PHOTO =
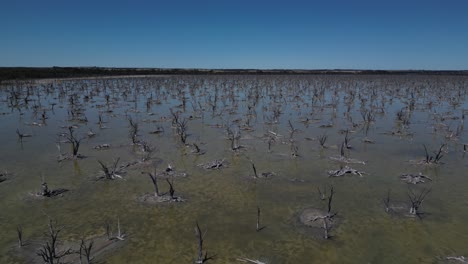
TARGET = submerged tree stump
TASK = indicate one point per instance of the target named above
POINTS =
(317, 221)
(214, 165)
(343, 171)
(414, 178)
(150, 198)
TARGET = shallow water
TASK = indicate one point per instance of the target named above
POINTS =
(224, 202)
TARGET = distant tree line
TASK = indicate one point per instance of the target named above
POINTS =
(23, 73)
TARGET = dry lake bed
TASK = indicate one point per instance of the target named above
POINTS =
(235, 169)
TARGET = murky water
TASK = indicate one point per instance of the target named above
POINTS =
(258, 109)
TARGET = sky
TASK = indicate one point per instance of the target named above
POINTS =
(352, 34)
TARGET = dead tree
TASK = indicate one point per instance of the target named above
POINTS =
(108, 231)
(49, 252)
(46, 192)
(292, 130)
(386, 202)
(119, 235)
(21, 135)
(100, 121)
(19, 232)
(294, 149)
(197, 149)
(434, 159)
(155, 183)
(342, 150)
(254, 170)
(85, 252)
(461, 259)
(133, 131)
(182, 130)
(175, 117)
(201, 258)
(171, 188)
(234, 137)
(258, 227)
(330, 197)
(111, 173)
(322, 139)
(147, 149)
(44, 117)
(416, 201)
(328, 217)
(347, 140)
(74, 141)
(271, 140)
(45, 189)
(254, 261)
(321, 194)
(367, 116)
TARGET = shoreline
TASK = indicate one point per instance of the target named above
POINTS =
(34, 73)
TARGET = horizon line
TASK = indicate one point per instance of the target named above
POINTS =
(231, 69)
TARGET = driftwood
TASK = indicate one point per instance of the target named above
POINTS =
(266, 174)
(50, 193)
(213, 165)
(196, 150)
(250, 261)
(90, 133)
(368, 141)
(343, 171)
(399, 133)
(150, 198)
(326, 125)
(102, 146)
(170, 171)
(414, 178)
(461, 259)
(34, 124)
(276, 135)
(343, 159)
(159, 130)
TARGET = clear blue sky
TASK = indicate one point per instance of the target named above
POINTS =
(398, 34)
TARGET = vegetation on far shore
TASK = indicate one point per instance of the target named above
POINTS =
(24, 73)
